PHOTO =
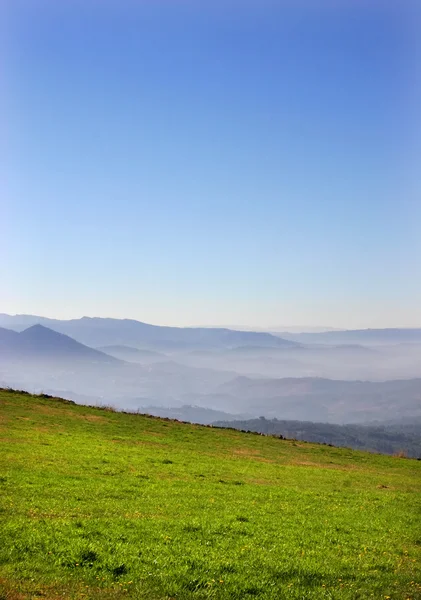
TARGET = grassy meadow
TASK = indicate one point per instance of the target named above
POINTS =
(98, 504)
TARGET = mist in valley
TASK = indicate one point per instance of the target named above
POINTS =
(207, 375)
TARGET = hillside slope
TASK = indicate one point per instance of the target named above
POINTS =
(400, 438)
(97, 504)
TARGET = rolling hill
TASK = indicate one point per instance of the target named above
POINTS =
(103, 505)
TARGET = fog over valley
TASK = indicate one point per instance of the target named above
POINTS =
(215, 374)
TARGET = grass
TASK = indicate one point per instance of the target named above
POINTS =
(98, 504)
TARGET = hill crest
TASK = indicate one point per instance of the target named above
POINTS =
(39, 341)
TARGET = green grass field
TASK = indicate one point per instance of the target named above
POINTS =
(98, 504)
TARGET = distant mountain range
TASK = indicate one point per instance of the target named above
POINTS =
(98, 332)
(227, 371)
(39, 358)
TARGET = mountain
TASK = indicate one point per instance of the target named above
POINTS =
(224, 370)
(7, 336)
(41, 342)
(39, 358)
(98, 332)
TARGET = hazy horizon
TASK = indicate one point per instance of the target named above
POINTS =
(292, 328)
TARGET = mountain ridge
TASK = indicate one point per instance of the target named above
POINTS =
(98, 331)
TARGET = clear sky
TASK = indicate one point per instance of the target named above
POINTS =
(212, 162)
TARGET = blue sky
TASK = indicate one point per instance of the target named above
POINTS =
(181, 162)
